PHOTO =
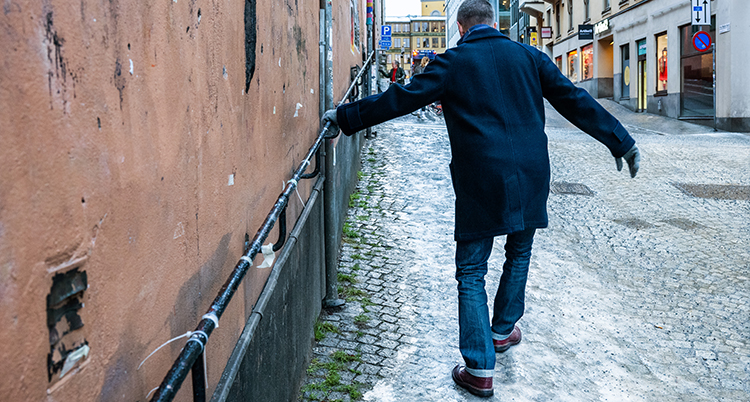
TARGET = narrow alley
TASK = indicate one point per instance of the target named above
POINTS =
(635, 290)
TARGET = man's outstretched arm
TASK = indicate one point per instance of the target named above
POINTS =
(397, 101)
(578, 107)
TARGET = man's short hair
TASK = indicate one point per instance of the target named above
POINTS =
(396, 61)
(473, 12)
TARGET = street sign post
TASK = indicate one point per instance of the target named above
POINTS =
(385, 31)
(700, 12)
(385, 37)
(701, 41)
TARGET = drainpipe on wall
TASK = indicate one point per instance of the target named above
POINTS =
(329, 197)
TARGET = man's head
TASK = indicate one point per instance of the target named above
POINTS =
(395, 63)
(474, 12)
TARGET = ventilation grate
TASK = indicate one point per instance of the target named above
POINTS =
(561, 187)
(715, 191)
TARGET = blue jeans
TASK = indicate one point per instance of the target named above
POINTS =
(475, 332)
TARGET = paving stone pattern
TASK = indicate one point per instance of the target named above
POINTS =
(637, 292)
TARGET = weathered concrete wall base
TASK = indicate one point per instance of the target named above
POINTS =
(597, 87)
(737, 124)
(281, 346)
(670, 105)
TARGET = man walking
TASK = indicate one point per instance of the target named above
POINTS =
(492, 92)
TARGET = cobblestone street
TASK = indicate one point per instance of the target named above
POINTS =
(639, 290)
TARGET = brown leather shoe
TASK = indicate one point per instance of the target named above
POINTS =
(505, 344)
(479, 386)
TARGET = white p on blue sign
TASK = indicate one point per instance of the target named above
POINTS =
(385, 31)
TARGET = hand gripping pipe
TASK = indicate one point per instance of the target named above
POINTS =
(193, 350)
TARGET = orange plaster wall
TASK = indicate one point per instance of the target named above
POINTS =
(128, 174)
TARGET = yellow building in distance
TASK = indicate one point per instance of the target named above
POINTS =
(414, 37)
(433, 8)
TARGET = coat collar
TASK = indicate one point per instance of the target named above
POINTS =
(480, 31)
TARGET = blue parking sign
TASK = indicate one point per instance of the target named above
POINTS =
(385, 31)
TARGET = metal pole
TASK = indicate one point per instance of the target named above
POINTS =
(329, 195)
(713, 58)
(199, 379)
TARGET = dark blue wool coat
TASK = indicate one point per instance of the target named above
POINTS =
(492, 91)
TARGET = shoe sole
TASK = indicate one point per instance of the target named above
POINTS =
(475, 391)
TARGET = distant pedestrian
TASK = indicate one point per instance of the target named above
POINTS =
(397, 74)
(492, 90)
(419, 69)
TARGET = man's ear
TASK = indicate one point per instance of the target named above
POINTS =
(494, 25)
(461, 30)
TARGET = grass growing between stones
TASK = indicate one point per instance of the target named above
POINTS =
(323, 328)
(331, 376)
(349, 232)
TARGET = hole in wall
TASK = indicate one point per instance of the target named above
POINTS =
(65, 301)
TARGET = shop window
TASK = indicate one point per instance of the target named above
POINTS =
(587, 62)
(573, 65)
(558, 62)
(661, 64)
(696, 87)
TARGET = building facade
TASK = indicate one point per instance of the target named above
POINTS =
(415, 37)
(502, 17)
(642, 55)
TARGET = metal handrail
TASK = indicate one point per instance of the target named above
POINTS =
(195, 345)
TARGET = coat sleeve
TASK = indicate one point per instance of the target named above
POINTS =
(578, 107)
(397, 101)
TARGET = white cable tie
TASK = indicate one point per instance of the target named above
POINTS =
(246, 259)
(163, 345)
(296, 189)
(194, 338)
(212, 316)
(151, 392)
(300, 197)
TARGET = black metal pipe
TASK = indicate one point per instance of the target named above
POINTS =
(282, 231)
(194, 348)
(235, 360)
(199, 379)
(315, 172)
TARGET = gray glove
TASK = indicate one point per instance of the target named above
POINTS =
(633, 158)
(330, 117)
